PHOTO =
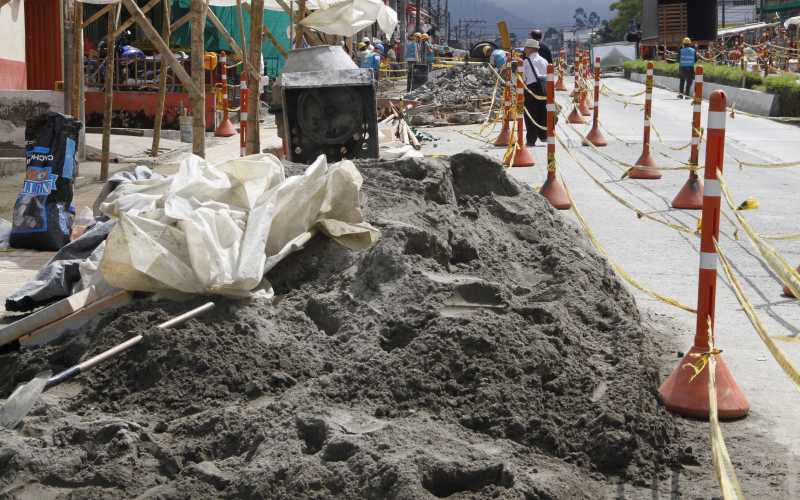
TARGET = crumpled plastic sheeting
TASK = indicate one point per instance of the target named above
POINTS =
(351, 16)
(218, 228)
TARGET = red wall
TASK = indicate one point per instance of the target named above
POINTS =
(43, 43)
(12, 75)
(138, 109)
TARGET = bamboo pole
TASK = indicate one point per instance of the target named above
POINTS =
(224, 32)
(254, 83)
(197, 100)
(180, 22)
(166, 33)
(298, 35)
(108, 98)
(268, 34)
(77, 74)
(129, 22)
(97, 15)
(243, 74)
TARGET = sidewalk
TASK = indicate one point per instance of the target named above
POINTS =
(20, 266)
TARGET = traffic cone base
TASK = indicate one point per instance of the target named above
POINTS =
(225, 129)
(504, 138)
(690, 197)
(523, 157)
(555, 193)
(690, 398)
(583, 107)
(595, 137)
(645, 168)
(576, 117)
(560, 86)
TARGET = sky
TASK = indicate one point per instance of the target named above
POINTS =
(542, 11)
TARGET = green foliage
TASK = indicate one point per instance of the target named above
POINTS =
(627, 11)
(787, 88)
(722, 74)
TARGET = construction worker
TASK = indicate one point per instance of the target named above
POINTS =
(428, 54)
(687, 57)
(544, 50)
(411, 58)
(364, 56)
(497, 57)
(534, 67)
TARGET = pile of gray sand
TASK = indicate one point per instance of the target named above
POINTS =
(479, 350)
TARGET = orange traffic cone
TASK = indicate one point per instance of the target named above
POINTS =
(504, 138)
(690, 197)
(594, 136)
(521, 157)
(583, 106)
(225, 128)
(575, 116)
(648, 168)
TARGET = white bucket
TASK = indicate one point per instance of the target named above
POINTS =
(186, 128)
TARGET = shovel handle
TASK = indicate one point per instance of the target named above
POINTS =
(94, 360)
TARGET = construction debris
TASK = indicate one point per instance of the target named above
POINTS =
(479, 348)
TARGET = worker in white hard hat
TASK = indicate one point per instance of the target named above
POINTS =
(534, 68)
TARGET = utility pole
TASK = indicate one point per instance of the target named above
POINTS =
(417, 25)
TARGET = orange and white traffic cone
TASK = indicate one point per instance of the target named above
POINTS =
(690, 197)
(504, 138)
(521, 157)
(243, 117)
(225, 128)
(552, 189)
(645, 166)
(683, 392)
(594, 136)
(562, 58)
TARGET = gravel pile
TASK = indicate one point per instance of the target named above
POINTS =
(480, 349)
(455, 85)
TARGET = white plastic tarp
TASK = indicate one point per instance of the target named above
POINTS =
(218, 228)
(348, 17)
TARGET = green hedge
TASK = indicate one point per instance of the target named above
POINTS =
(724, 75)
(787, 88)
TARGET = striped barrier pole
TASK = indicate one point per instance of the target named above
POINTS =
(645, 165)
(521, 157)
(683, 392)
(575, 116)
(583, 107)
(690, 197)
(225, 128)
(594, 136)
(504, 138)
(562, 58)
(552, 189)
(589, 76)
(243, 118)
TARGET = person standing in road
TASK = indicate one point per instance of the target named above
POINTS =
(687, 57)
(544, 50)
(535, 74)
(410, 57)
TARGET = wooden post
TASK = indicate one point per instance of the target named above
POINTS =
(197, 99)
(166, 33)
(253, 83)
(108, 98)
(298, 35)
(77, 75)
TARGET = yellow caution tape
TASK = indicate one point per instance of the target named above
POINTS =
(774, 260)
(780, 356)
(723, 467)
(616, 267)
(768, 165)
(749, 204)
(637, 94)
(780, 236)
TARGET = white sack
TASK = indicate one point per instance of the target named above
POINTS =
(219, 228)
(351, 16)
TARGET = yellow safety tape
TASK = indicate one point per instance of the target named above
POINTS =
(534, 121)
(792, 237)
(723, 467)
(639, 213)
(780, 356)
(774, 260)
(617, 268)
(637, 94)
(743, 164)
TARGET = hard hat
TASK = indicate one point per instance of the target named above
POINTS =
(687, 40)
(425, 36)
(487, 50)
(749, 204)
(417, 35)
(361, 45)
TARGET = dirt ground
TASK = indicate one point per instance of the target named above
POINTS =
(481, 349)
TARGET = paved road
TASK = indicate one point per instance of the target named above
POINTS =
(666, 260)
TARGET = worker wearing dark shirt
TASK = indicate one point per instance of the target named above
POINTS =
(544, 50)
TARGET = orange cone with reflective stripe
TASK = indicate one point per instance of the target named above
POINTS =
(552, 189)
(690, 197)
(225, 128)
(681, 393)
(594, 136)
(504, 138)
(562, 61)
(521, 157)
(645, 166)
(243, 117)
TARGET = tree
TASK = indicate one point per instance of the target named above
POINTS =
(581, 19)
(551, 32)
(593, 20)
(629, 12)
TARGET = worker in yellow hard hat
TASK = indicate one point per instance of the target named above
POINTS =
(687, 57)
